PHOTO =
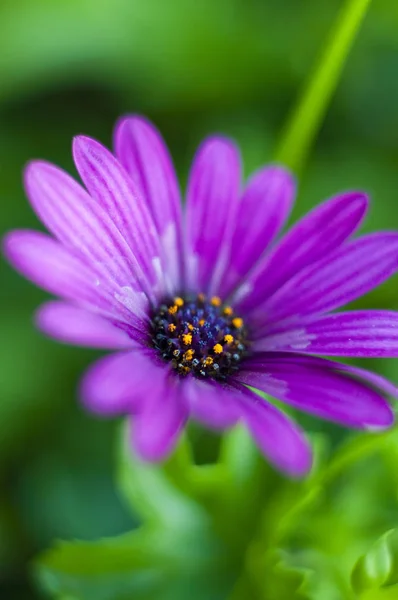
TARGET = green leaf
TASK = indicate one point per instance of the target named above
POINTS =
(106, 570)
(281, 578)
(357, 448)
(151, 493)
(236, 529)
(308, 115)
(166, 562)
(146, 564)
(379, 566)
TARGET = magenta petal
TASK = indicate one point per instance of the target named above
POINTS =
(156, 429)
(343, 276)
(212, 201)
(81, 225)
(378, 382)
(364, 333)
(75, 325)
(123, 383)
(318, 387)
(143, 153)
(211, 403)
(374, 380)
(51, 266)
(113, 188)
(281, 440)
(320, 232)
(263, 210)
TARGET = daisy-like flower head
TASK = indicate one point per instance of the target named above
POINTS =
(202, 303)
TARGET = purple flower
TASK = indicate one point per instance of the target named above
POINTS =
(202, 303)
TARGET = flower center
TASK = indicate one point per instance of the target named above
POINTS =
(199, 336)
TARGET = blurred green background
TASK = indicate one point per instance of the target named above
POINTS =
(234, 66)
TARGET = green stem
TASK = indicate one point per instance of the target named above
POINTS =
(307, 117)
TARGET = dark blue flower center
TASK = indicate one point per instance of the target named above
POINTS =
(199, 336)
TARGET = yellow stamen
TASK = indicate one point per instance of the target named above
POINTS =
(187, 338)
(237, 322)
(190, 327)
(208, 361)
(173, 309)
(218, 348)
(228, 338)
(189, 354)
(172, 327)
(185, 369)
(228, 311)
(178, 302)
(202, 322)
(176, 353)
(216, 301)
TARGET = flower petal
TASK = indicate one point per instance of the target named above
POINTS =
(374, 380)
(263, 210)
(281, 440)
(75, 325)
(348, 273)
(318, 387)
(143, 153)
(364, 333)
(122, 383)
(212, 201)
(81, 224)
(156, 429)
(53, 267)
(211, 403)
(320, 232)
(378, 382)
(113, 188)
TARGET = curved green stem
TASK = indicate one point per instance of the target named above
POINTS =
(307, 117)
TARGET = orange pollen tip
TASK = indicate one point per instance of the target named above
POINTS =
(228, 311)
(237, 322)
(178, 302)
(201, 297)
(171, 327)
(190, 327)
(228, 338)
(218, 348)
(208, 361)
(202, 322)
(189, 354)
(187, 338)
(216, 301)
(173, 309)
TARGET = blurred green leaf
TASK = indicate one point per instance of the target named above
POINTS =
(320, 526)
(174, 552)
(151, 493)
(114, 569)
(274, 578)
(379, 566)
(255, 535)
(147, 564)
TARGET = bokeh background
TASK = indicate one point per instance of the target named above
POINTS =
(233, 66)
